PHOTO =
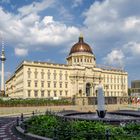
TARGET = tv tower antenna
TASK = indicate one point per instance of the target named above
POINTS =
(2, 58)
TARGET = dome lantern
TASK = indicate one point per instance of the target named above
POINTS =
(81, 46)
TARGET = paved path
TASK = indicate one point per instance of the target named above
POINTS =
(6, 133)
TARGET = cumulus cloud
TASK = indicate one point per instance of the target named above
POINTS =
(114, 30)
(21, 52)
(112, 21)
(115, 57)
(27, 30)
(35, 7)
(132, 48)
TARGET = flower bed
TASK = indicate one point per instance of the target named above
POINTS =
(52, 126)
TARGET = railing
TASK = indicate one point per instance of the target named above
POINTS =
(59, 134)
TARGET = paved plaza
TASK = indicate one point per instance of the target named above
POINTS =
(6, 129)
(8, 116)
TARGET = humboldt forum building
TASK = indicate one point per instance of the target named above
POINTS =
(79, 77)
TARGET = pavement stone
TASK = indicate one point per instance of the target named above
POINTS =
(6, 133)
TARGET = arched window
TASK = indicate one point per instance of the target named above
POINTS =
(77, 59)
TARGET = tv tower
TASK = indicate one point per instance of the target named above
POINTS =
(2, 58)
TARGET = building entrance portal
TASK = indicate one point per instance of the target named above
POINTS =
(88, 89)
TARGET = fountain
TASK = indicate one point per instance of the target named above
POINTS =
(100, 102)
(115, 117)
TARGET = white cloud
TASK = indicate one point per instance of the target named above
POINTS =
(31, 31)
(132, 23)
(132, 48)
(112, 20)
(21, 52)
(65, 14)
(76, 3)
(115, 58)
(111, 25)
(35, 7)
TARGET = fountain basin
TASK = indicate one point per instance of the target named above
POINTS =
(115, 117)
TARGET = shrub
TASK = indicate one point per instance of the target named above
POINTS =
(80, 130)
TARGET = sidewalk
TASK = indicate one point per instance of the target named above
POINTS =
(6, 111)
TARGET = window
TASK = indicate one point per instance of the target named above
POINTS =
(35, 83)
(118, 79)
(42, 74)
(29, 93)
(54, 74)
(60, 93)
(114, 86)
(42, 93)
(66, 76)
(60, 75)
(55, 94)
(29, 83)
(36, 93)
(114, 79)
(61, 85)
(118, 93)
(29, 73)
(49, 84)
(66, 85)
(42, 84)
(36, 73)
(66, 93)
(49, 74)
(107, 79)
(48, 93)
(54, 84)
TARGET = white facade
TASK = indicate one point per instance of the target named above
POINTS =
(78, 77)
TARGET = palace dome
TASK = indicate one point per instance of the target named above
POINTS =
(81, 46)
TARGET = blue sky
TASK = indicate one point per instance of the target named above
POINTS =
(45, 30)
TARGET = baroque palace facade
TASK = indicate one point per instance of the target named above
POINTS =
(78, 77)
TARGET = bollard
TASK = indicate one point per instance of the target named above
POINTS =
(107, 134)
(21, 118)
(17, 121)
(25, 128)
(47, 112)
(88, 137)
(55, 135)
(33, 113)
